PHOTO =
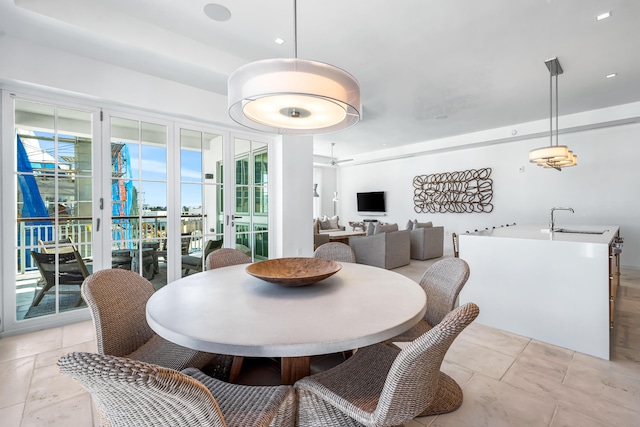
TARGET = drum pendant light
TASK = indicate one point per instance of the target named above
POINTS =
(293, 96)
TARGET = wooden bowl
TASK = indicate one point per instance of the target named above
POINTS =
(293, 271)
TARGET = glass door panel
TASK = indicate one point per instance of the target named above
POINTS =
(139, 198)
(201, 193)
(251, 217)
(54, 187)
(261, 206)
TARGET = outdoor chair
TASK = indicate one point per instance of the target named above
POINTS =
(117, 299)
(185, 242)
(65, 246)
(335, 251)
(192, 262)
(225, 257)
(383, 386)
(130, 393)
(71, 271)
(442, 283)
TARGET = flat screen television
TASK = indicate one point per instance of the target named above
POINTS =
(372, 202)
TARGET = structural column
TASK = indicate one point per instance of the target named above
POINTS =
(293, 196)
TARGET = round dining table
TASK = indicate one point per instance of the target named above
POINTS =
(228, 311)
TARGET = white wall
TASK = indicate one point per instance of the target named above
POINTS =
(326, 178)
(602, 189)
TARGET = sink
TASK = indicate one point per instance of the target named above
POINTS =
(565, 230)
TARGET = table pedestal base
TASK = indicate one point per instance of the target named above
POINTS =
(291, 369)
(236, 367)
(294, 368)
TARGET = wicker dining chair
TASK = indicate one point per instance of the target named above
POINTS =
(335, 251)
(130, 393)
(383, 386)
(117, 299)
(225, 257)
(442, 282)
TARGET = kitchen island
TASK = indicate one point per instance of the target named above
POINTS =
(554, 287)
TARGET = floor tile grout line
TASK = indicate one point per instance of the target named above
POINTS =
(564, 377)
(493, 348)
(515, 359)
(553, 416)
(26, 398)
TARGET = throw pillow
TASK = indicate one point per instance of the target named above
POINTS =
(409, 225)
(324, 224)
(333, 222)
(370, 229)
(417, 224)
(384, 228)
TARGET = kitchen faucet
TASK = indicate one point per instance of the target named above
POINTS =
(551, 222)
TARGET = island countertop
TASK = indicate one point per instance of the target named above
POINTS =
(535, 232)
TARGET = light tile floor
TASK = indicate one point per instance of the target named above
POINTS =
(507, 379)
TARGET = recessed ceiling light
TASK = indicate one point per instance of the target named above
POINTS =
(609, 76)
(603, 16)
(279, 40)
(217, 12)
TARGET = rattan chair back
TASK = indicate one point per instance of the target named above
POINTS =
(443, 282)
(412, 381)
(335, 251)
(132, 393)
(225, 257)
(380, 386)
(117, 299)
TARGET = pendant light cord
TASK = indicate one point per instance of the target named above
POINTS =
(295, 29)
(550, 109)
(557, 113)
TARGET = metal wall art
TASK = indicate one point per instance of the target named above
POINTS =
(467, 191)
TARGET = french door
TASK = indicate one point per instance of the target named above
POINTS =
(224, 195)
(50, 176)
(202, 195)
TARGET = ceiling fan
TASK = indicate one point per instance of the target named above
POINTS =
(335, 162)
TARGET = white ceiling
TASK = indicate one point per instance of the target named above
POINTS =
(479, 63)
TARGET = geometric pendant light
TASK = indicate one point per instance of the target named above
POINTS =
(293, 96)
(554, 156)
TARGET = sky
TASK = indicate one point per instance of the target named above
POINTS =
(153, 167)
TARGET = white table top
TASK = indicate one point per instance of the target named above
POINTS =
(228, 311)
